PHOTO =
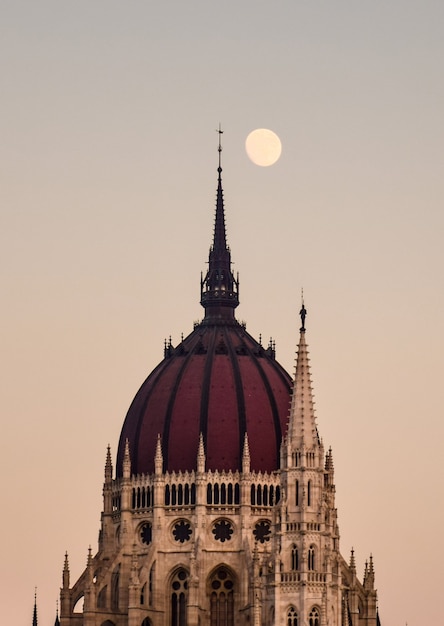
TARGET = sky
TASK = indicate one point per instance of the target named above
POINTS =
(108, 161)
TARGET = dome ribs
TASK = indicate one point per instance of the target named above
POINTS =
(137, 407)
(242, 418)
(203, 417)
(169, 411)
(259, 363)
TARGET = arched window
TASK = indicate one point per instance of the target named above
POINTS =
(216, 494)
(223, 493)
(236, 493)
(146, 622)
(143, 595)
(151, 584)
(294, 558)
(311, 558)
(313, 618)
(179, 596)
(221, 598)
(297, 493)
(309, 493)
(101, 598)
(167, 495)
(209, 494)
(253, 495)
(292, 617)
(115, 579)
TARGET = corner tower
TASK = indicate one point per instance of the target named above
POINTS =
(221, 511)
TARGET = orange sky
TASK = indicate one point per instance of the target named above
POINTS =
(108, 179)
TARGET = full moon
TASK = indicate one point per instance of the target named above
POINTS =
(263, 147)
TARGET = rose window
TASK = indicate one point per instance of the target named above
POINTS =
(182, 531)
(146, 533)
(262, 532)
(222, 530)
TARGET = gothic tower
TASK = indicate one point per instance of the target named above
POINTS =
(221, 511)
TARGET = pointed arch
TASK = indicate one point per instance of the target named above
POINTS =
(294, 558)
(78, 604)
(101, 597)
(115, 584)
(221, 589)
(179, 597)
(311, 558)
(314, 618)
(147, 622)
(292, 617)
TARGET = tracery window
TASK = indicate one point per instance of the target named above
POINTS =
(311, 558)
(294, 558)
(222, 598)
(292, 617)
(179, 596)
(313, 618)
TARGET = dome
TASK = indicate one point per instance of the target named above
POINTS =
(219, 382)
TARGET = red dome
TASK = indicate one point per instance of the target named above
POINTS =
(219, 382)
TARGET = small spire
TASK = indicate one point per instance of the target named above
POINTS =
(158, 457)
(108, 465)
(89, 558)
(303, 312)
(57, 620)
(352, 560)
(369, 576)
(302, 428)
(66, 572)
(201, 455)
(126, 461)
(246, 456)
(34, 615)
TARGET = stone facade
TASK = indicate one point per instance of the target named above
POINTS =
(209, 548)
(247, 537)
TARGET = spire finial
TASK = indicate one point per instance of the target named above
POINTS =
(34, 615)
(303, 312)
(219, 289)
(219, 149)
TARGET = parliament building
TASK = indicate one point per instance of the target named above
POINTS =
(219, 508)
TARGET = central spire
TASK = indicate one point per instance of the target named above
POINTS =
(219, 290)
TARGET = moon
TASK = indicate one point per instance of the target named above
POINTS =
(263, 147)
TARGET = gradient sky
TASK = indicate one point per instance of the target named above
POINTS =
(108, 161)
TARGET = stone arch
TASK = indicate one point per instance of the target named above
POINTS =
(178, 596)
(292, 617)
(147, 622)
(221, 587)
(78, 603)
(314, 617)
